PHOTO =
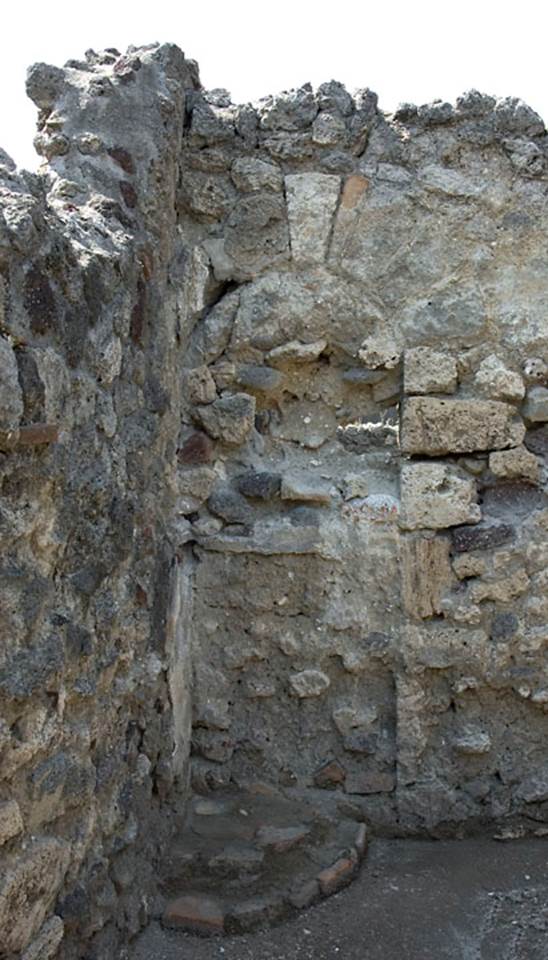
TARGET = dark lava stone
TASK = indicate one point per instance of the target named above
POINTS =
(197, 449)
(481, 537)
(262, 485)
(513, 499)
(537, 441)
(504, 625)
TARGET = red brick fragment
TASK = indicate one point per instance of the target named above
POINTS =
(195, 913)
(197, 449)
(330, 774)
(33, 435)
(338, 875)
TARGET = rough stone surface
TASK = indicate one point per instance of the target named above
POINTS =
(47, 942)
(309, 683)
(11, 821)
(433, 496)
(494, 380)
(204, 308)
(297, 352)
(426, 575)
(429, 371)
(515, 464)
(260, 484)
(228, 419)
(437, 427)
(11, 396)
(536, 405)
(301, 487)
(311, 201)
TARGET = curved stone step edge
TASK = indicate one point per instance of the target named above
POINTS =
(206, 916)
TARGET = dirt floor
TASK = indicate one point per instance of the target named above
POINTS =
(474, 899)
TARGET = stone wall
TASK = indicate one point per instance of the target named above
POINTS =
(273, 465)
(96, 291)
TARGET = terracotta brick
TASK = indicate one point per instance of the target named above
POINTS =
(338, 875)
(195, 913)
(330, 774)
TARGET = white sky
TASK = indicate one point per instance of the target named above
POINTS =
(413, 50)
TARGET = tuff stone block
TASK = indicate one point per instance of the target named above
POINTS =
(311, 203)
(494, 380)
(438, 427)
(434, 497)
(515, 464)
(429, 371)
(426, 575)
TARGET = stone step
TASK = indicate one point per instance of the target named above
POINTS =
(249, 858)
